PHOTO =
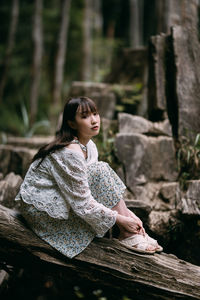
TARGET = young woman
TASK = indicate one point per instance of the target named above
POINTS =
(68, 197)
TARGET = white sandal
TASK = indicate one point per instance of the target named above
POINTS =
(154, 243)
(137, 243)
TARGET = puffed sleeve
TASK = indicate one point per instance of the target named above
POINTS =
(69, 171)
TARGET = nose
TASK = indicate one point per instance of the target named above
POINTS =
(93, 119)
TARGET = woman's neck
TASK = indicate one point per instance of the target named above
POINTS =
(83, 140)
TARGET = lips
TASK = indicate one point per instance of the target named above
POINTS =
(95, 128)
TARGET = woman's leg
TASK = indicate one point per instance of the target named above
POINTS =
(108, 189)
(122, 209)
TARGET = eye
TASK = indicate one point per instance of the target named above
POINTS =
(84, 116)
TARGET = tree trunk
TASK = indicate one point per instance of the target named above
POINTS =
(87, 41)
(98, 19)
(104, 262)
(11, 41)
(37, 59)
(98, 42)
(136, 23)
(61, 52)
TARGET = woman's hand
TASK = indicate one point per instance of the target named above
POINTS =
(129, 224)
(132, 215)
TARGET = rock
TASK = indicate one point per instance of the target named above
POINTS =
(186, 49)
(133, 124)
(189, 200)
(146, 158)
(161, 223)
(140, 208)
(157, 102)
(15, 159)
(174, 75)
(162, 128)
(101, 93)
(184, 13)
(149, 193)
(33, 142)
(136, 124)
(5, 158)
(9, 188)
(168, 193)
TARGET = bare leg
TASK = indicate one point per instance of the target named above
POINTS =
(122, 209)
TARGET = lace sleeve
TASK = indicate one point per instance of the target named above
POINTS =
(69, 171)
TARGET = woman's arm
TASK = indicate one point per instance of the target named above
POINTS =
(69, 172)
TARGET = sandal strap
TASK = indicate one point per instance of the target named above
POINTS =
(151, 241)
(137, 241)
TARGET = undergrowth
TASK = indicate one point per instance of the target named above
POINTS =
(188, 159)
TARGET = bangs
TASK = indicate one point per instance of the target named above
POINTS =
(87, 106)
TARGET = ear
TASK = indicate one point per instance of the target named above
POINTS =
(72, 124)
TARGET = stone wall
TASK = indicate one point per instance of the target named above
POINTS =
(174, 77)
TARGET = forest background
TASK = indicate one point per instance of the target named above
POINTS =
(46, 45)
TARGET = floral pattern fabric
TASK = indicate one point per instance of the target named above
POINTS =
(86, 190)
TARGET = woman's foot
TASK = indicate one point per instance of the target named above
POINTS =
(138, 243)
(154, 243)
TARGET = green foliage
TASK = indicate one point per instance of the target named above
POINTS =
(75, 38)
(103, 53)
(188, 157)
(105, 144)
(128, 97)
(19, 73)
(19, 124)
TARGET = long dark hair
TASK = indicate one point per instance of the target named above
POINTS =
(66, 134)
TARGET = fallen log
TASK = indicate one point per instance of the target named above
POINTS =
(104, 262)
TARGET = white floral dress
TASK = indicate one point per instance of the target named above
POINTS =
(67, 199)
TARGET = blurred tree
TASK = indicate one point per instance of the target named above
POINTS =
(98, 41)
(37, 59)
(11, 41)
(61, 52)
(136, 23)
(87, 41)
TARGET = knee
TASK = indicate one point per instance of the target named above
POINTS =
(99, 171)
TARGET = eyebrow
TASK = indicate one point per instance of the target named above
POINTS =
(84, 112)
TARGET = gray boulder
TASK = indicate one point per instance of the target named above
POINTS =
(157, 102)
(146, 158)
(187, 56)
(15, 159)
(9, 188)
(161, 223)
(34, 142)
(151, 193)
(168, 193)
(101, 93)
(136, 124)
(188, 201)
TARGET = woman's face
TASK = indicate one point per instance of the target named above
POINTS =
(87, 123)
